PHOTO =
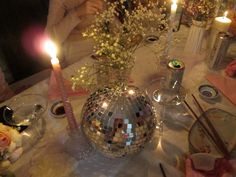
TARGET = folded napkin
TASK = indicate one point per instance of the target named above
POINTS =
(225, 84)
(54, 91)
(205, 165)
(231, 69)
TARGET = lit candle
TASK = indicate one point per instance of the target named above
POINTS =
(171, 25)
(51, 49)
(222, 23)
(173, 8)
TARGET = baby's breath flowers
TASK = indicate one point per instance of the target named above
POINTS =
(119, 30)
(202, 10)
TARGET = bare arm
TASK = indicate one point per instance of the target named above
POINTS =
(60, 24)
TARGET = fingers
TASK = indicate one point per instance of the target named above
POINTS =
(98, 4)
(91, 10)
(90, 7)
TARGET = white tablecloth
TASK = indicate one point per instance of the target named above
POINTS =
(48, 159)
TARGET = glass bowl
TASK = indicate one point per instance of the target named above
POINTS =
(27, 112)
(224, 122)
(22, 123)
(27, 108)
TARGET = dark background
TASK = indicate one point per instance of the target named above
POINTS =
(17, 19)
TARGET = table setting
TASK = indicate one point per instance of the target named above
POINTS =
(151, 101)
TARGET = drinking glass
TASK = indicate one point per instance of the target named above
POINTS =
(27, 108)
(27, 117)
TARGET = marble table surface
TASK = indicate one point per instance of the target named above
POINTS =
(47, 158)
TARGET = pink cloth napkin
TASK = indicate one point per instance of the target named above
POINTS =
(54, 92)
(231, 69)
(225, 84)
(222, 168)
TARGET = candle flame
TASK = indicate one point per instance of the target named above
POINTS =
(225, 14)
(174, 1)
(131, 92)
(54, 61)
(50, 48)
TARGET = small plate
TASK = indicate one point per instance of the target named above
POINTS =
(151, 39)
(224, 122)
(57, 110)
(208, 92)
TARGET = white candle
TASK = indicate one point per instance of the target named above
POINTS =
(222, 23)
(173, 8)
(51, 49)
(171, 25)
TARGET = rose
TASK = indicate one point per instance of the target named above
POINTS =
(5, 141)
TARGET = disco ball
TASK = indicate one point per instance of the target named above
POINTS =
(118, 121)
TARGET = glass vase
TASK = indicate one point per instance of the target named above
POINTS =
(108, 76)
(196, 37)
(77, 145)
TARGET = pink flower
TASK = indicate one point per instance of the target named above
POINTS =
(5, 141)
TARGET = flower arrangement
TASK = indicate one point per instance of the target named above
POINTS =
(202, 10)
(117, 32)
(10, 146)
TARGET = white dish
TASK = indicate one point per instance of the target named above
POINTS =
(208, 92)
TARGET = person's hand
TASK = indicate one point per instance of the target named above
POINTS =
(90, 7)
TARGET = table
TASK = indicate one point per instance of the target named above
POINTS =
(48, 158)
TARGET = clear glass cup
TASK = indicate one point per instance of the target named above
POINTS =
(27, 108)
(27, 118)
(24, 114)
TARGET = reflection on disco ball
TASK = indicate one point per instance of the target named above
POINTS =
(118, 121)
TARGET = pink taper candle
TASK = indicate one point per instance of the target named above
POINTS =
(51, 50)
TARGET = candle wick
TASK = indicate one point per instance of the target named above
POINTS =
(225, 15)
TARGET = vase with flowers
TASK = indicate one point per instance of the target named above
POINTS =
(117, 32)
(201, 12)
